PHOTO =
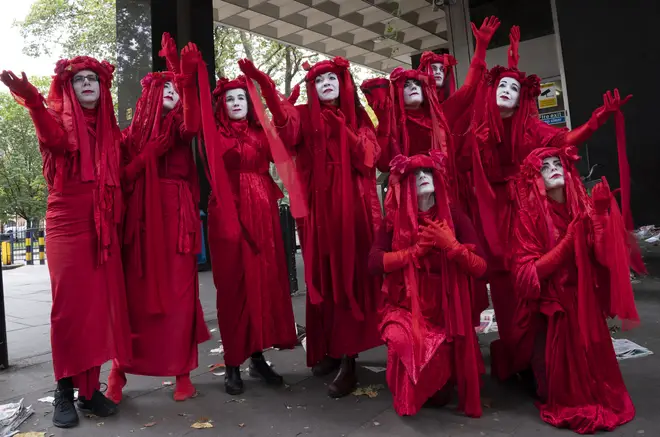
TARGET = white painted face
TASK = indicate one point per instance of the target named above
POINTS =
(508, 93)
(438, 74)
(170, 97)
(412, 94)
(87, 88)
(424, 180)
(237, 104)
(553, 173)
(327, 86)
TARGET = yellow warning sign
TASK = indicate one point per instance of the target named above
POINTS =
(548, 96)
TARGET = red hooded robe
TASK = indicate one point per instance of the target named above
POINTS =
(336, 165)
(81, 155)
(247, 253)
(162, 231)
(561, 310)
(426, 320)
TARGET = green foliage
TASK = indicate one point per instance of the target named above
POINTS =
(70, 28)
(23, 190)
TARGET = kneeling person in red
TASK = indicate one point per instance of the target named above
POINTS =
(428, 251)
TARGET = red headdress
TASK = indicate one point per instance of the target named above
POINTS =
(144, 206)
(611, 293)
(222, 86)
(402, 219)
(448, 62)
(101, 164)
(440, 138)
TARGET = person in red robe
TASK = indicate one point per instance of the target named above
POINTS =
(245, 237)
(505, 129)
(427, 249)
(80, 144)
(571, 267)
(162, 231)
(336, 149)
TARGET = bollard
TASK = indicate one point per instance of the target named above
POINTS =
(28, 248)
(4, 354)
(42, 248)
(6, 251)
(289, 239)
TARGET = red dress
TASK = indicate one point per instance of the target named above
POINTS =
(165, 335)
(89, 323)
(340, 319)
(414, 379)
(565, 290)
(253, 295)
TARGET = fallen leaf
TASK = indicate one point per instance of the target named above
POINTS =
(487, 402)
(201, 425)
(91, 416)
(149, 425)
(100, 424)
(31, 434)
(216, 366)
(371, 390)
(241, 425)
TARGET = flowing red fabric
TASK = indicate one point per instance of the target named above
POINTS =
(283, 161)
(585, 390)
(434, 317)
(162, 235)
(341, 313)
(448, 62)
(89, 323)
(253, 295)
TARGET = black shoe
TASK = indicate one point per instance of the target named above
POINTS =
(346, 379)
(326, 366)
(233, 381)
(65, 415)
(98, 405)
(259, 368)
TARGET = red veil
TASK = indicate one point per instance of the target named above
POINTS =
(585, 388)
(402, 220)
(448, 62)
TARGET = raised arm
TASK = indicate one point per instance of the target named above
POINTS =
(514, 46)
(50, 133)
(285, 116)
(377, 92)
(187, 83)
(611, 104)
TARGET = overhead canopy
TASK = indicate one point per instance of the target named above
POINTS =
(379, 34)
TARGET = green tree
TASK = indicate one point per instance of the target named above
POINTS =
(23, 190)
(70, 28)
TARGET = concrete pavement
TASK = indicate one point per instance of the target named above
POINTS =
(302, 407)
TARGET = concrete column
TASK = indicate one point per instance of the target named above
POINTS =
(461, 44)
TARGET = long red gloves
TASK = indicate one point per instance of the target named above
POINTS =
(551, 261)
(483, 35)
(187, 83)
(611, 104)
(393, 261)
(268, 90)
(153, 148)
(601, 196)
(438, 235)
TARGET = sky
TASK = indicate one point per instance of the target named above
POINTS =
(11, 54)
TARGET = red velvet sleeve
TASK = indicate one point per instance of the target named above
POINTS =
(459, 102)
(469, 254)
(290, 129)
(599, 222)
(547, 264)
(364, 149)
(382, 244)
(50, 133)
(191, 108)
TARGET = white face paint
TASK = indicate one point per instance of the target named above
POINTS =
(237, 104)
(438, 74)
(327, 86)
(170, 97)
(87, 88)
(412, 94)
(424, 180)
(553, 173)
(508, 93)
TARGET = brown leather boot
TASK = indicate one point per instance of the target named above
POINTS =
(326, 366)
(345, 381)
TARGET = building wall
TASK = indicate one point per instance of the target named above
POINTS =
(537, 56)
(608, 44)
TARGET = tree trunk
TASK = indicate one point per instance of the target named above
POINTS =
(288, 75)
(247, 45)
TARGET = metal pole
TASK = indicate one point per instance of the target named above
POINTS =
(4, 355)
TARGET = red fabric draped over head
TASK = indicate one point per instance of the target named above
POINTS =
(402, 219)
(448, 63)
(440, 138)
(222, 86)
(102, 163)
(144, 205)
(611, 293)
